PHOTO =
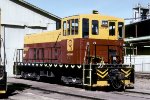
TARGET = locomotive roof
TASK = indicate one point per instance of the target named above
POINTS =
(94, 16)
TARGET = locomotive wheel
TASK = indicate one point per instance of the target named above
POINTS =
(119, 86)
(22, 74)
(25, 76)
(115, 78)
(38, 77)
(64, 80)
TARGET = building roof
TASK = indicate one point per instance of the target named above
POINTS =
(139, 41)
(138, 33)
(137, 22)
(144, 38)
(138, 29)
(37, 9)
(142, 8)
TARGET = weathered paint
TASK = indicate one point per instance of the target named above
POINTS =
(74, 53)
(59, 53)
(42, 37)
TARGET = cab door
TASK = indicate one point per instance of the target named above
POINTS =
(85, 28)
(113, 30)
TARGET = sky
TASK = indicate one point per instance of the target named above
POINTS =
(64, 8)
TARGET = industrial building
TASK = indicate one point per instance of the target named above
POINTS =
(138, 35)
(19, 18)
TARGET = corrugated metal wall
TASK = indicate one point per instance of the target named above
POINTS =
(16, 22)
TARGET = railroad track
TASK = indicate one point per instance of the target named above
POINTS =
(142, 75)
(67, 94)
(137, 94)
(77, 92)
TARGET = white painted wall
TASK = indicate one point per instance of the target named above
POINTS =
(14, 14)
(141, 62)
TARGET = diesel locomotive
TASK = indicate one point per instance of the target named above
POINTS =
(88, 50)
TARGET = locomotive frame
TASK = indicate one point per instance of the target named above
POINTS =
(88, 50)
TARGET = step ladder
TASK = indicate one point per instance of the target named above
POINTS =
(87, 67)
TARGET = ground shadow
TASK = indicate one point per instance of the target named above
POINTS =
(13, 88)
(58, 82)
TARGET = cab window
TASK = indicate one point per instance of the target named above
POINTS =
(95, 27)
(85, 28)
(111, 28)
(64, 28)
(120, 29)
(76, 26)
(104, 23)
(72, 27)
(68, 27)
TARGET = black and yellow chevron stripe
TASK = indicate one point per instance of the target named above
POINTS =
(127, 72)
(102, 74)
